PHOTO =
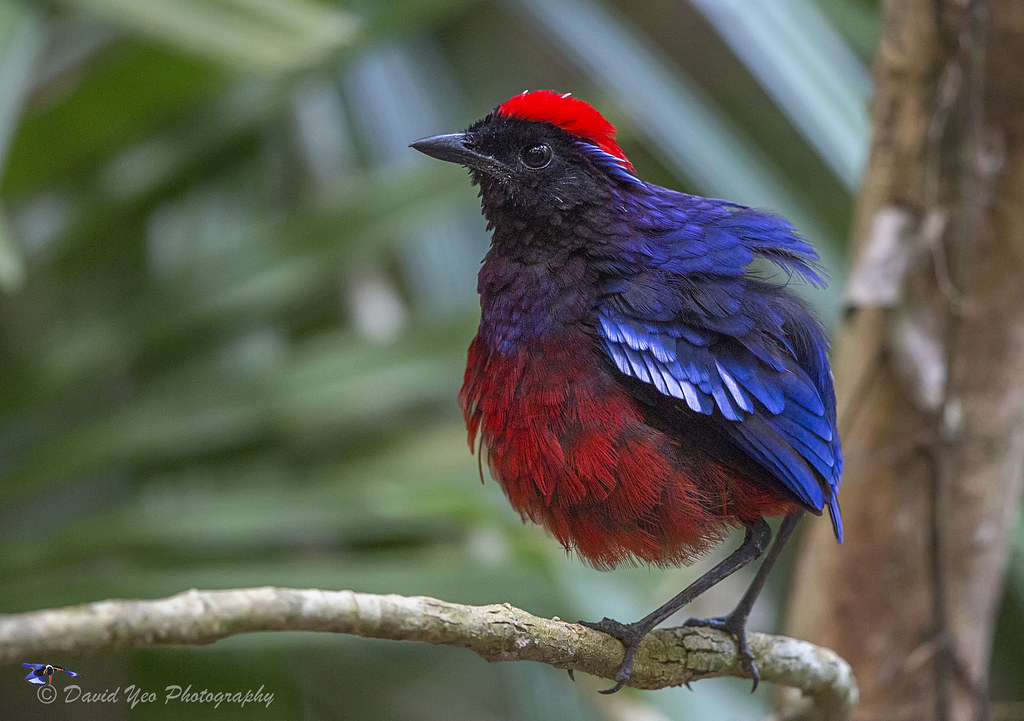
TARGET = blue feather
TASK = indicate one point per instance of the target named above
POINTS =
(688, 317)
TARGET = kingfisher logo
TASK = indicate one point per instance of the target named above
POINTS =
(42, 673)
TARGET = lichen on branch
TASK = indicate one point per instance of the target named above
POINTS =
(669, 657)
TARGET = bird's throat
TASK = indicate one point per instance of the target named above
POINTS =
(531, 295)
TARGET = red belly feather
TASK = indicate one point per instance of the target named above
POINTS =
(573, 453)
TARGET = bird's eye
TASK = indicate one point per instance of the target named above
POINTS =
(537, 156)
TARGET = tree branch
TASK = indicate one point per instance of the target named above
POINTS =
(497, 633)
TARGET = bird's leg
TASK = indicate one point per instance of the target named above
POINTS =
(755, 541)
(735, 623)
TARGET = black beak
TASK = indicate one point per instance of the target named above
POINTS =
(453, 148)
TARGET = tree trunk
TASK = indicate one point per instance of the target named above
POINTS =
(929, 367)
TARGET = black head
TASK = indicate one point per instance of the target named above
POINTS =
(537, 154)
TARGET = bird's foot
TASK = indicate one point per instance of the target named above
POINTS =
(630, 635)
(735, 626)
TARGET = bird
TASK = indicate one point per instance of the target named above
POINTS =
(42, 673)
(644, 380)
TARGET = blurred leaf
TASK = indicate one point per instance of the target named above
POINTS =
(807, 68)
(857, 20)
(199, 409)
(22, 33)
(1015, 570)
(259, 36)
(126, 92)
(12, 265)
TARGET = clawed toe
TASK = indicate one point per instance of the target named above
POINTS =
(737, 629)
(629, 635)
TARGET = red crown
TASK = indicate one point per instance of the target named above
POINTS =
(572, 115)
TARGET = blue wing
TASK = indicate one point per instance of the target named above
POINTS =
(691, 320)
(35, 676)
